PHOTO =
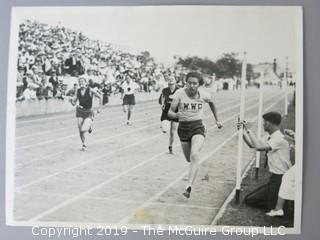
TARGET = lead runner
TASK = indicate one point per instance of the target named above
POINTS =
(187, 106)
(84, 111)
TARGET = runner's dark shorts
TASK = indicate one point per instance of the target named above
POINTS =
(129, 100)
(84, 113)
(187, 130)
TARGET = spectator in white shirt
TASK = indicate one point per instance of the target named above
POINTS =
(278, 159)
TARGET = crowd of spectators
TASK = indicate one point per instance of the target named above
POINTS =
(50, 55)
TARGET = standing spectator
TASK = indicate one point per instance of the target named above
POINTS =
(55, 83)
(23, 60)
(106, 90)
(46, 65)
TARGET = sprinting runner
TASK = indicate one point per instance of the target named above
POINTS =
(84, 112)
(128, 88)
(165, 102)
(189, 102)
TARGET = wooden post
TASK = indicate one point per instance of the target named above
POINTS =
(241, 118)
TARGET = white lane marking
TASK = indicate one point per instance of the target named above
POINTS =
(36, 160)
(75, 198)
(115, 200)
(87, 161)
(100, 120)
(156, 196)
(117, 107)
(66, 116)
(76, 135)
(102, 156)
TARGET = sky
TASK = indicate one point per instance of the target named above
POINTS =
(264, 33)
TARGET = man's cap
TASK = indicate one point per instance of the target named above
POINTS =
(272, 117)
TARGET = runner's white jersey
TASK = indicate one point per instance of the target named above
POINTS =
(191, 109)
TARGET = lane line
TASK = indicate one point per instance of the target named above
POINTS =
(37, 160)
(71, 200)
(98, 120)
(88, 161)
(76, 135)
(99, 140)
(99, 157)
(66, 116)
(116, 200)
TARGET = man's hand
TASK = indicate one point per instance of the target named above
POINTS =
(289, 132)
(239, 125)
(246, 125)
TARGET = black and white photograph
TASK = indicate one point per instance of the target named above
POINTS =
(155, 115)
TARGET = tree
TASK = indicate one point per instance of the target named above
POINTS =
(198, 64)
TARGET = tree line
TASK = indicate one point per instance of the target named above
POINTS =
(227, 66)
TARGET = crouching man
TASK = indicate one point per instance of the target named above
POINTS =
(277, 157)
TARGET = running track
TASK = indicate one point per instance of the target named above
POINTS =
(126, 176)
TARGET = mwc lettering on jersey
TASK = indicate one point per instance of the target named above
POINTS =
(191, 109)
(192, 106)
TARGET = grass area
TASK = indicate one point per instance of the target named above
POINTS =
(243, 215)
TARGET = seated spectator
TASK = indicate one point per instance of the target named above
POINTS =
(28, 94)
(73, 65)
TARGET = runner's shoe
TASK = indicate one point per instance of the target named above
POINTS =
(187, 192)
(84, 148)
(170, 149)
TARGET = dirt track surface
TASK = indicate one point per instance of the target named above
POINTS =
(126, 175)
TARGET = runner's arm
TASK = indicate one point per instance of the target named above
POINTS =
(173, 109)
(215, 114)
(96, 93)
(74, 99)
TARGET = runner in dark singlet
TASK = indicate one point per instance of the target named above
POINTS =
(165, 102)
(84, 112)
